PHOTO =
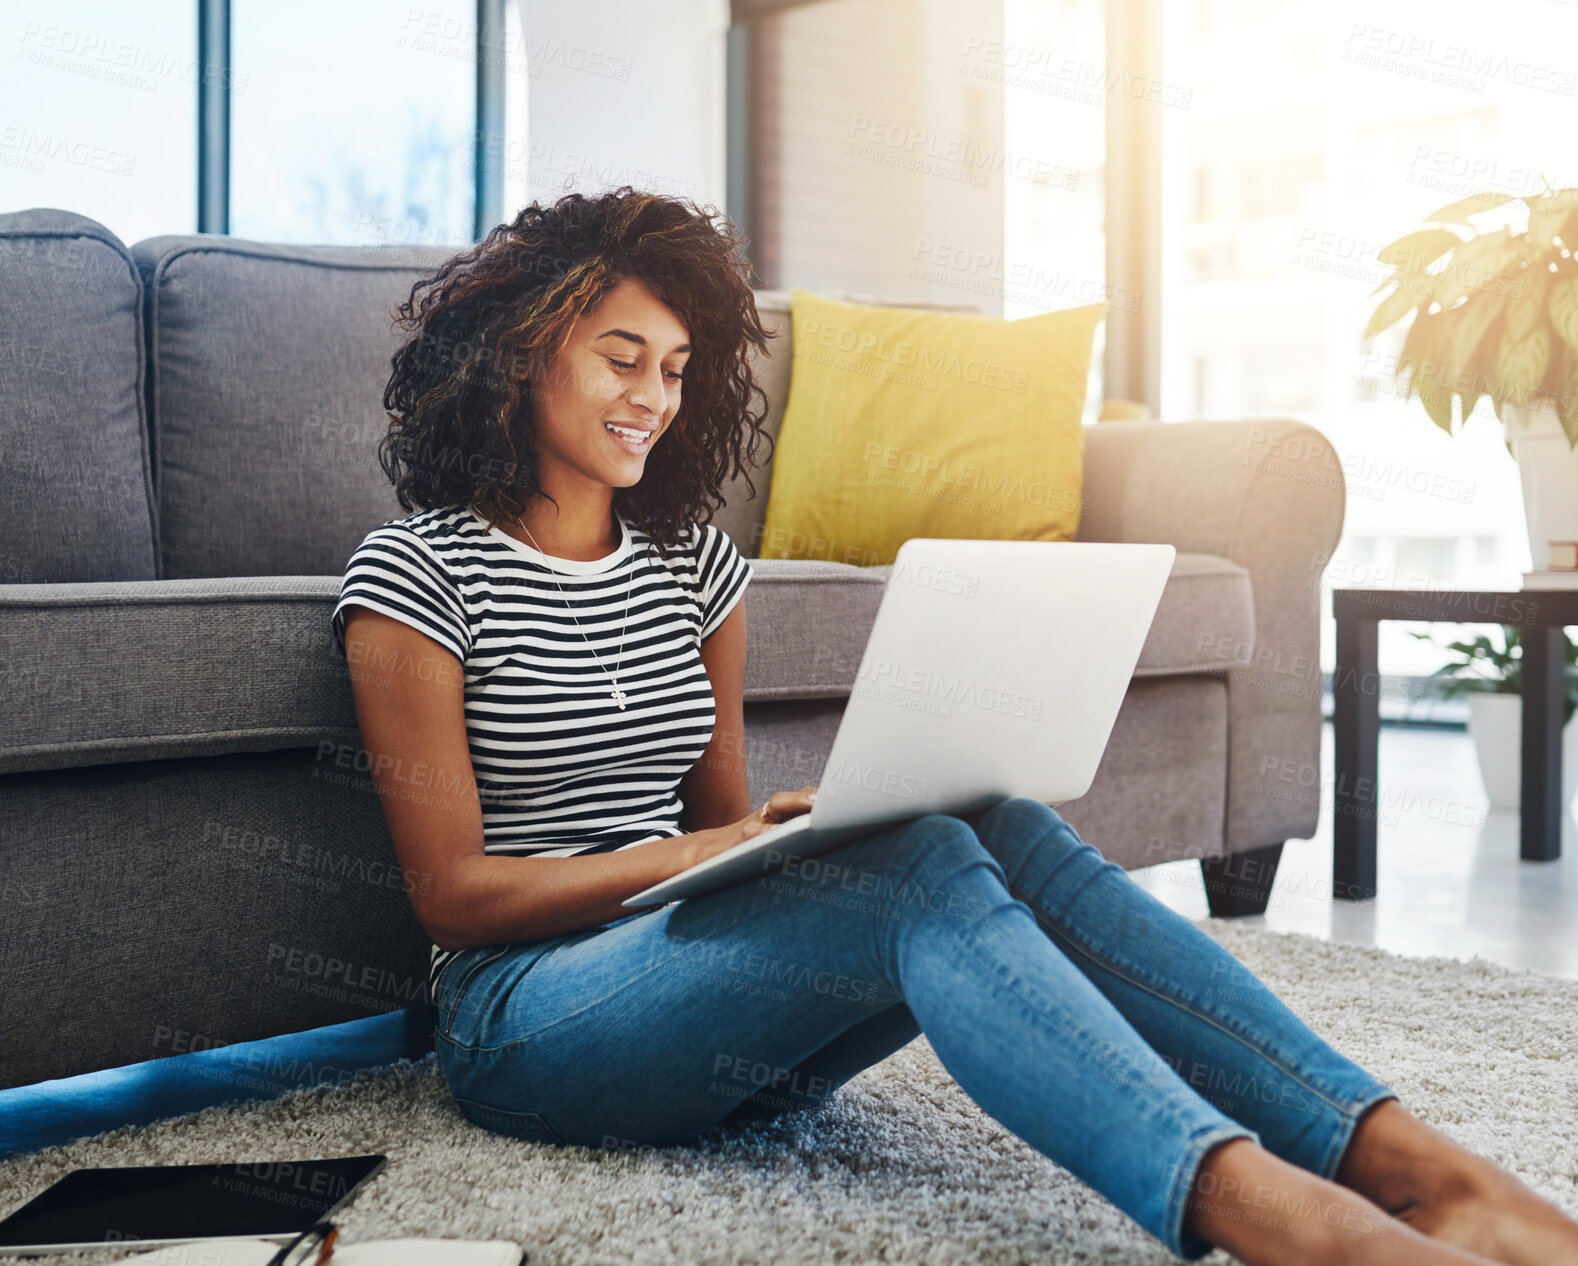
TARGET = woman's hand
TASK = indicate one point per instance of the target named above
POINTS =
(780, 807)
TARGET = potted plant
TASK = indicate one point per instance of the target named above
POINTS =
(1491, 676)
(1492, 286)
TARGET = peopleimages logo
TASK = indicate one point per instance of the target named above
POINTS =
(1456, 65)
(841, 773)
(881, 674)
(904, 354)
(947, 264)
(921, 149)
(1028, 66)
(941, 579)
(943, 473)
(312, 972)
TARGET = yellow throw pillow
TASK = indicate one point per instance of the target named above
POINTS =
(902, 422)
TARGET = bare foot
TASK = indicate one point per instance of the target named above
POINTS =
(1267, 1212)
(1441, 1189)
(1490, 1212)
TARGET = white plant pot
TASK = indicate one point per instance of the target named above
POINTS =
(1548, 469)
(1495, 723)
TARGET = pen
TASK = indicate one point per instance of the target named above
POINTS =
(321, 1235)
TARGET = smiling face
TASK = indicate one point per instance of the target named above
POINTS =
(611, 391)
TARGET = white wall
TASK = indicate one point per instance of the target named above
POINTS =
(881, 153)
(878, 146)
(625, 92)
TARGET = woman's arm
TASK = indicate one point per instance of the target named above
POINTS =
(410, 706)
(714, 791)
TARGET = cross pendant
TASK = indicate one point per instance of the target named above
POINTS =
(618, 696)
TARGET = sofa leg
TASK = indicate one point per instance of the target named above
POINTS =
(1240, 883)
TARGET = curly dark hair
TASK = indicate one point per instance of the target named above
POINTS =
(460, 426)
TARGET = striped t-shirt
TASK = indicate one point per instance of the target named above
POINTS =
(560, 768)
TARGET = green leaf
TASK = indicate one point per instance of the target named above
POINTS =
(1567, 395)
(1524, 311)
(1563, 310)
(1459, 212)
(1389, 311)
(1480, 264)
(1481, 665)
(1384, 283)
(1415, 252)
(1548, 213)
(1415, 360)
(1520, 364)
(1464, 331)
(1438, 404)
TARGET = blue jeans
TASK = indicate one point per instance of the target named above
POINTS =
(1099, 1026)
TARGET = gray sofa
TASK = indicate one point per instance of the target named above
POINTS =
(192, 851)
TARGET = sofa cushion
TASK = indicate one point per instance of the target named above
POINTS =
(76, 502)
(1205, 621)
(100, 673)
(1165, 766)
(743, 515)
(267, 369)
(904, 423)
(147, 670)
(1206, 618)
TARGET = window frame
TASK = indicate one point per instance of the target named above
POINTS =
(214, 131)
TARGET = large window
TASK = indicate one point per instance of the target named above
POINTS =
(353, 122)
(1314, 136)
(98, 109)
(1053, 68)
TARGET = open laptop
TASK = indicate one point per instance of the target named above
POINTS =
(993, 669)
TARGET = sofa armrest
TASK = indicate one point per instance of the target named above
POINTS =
(1270, 496)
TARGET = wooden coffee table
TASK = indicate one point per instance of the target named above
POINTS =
(1356, 719)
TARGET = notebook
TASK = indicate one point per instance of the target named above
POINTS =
(405, 1252)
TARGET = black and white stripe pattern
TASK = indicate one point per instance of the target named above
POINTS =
(560, 768)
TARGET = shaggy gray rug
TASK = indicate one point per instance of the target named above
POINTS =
(900, 1166)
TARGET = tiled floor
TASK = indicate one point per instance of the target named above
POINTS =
(1450, 884)
(1450, 880)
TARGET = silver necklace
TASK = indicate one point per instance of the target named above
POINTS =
(618, 695)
